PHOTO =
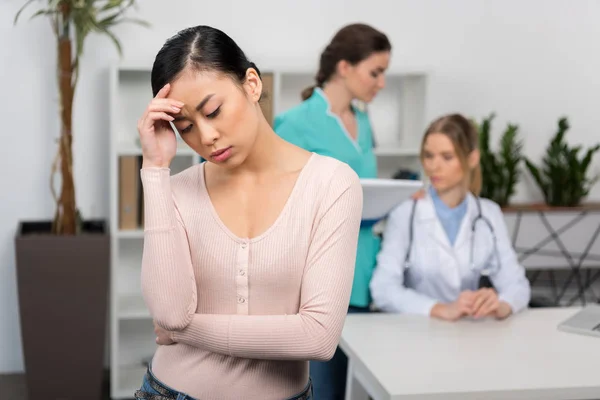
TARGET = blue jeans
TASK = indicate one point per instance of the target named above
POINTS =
(329, 377)
(152, 389)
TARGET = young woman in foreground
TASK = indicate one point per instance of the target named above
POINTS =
(249, 257)
(436, 249)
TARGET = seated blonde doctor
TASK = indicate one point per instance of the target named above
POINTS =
(436, 249)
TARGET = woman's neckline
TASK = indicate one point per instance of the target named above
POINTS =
(445, 207)
(354, 141)
(283, 212)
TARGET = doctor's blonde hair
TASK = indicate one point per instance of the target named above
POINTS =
(465, 138)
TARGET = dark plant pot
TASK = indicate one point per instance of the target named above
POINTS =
(63, 295)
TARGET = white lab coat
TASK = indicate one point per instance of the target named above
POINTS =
(438, 271)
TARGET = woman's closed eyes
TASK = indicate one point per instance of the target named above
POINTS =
(215, 113)
(212, 115)
(445, 156)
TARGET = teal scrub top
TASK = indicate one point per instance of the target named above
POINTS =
(312, 126)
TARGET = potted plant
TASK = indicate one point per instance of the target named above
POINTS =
(63, 263)
(563, 177)
(501, 169)
(554, 235)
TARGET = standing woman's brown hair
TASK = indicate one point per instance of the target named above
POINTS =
(463, 135)
(353, 43)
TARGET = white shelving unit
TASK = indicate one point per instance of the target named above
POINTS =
(397, 116)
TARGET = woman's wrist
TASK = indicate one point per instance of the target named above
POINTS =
(147, 164)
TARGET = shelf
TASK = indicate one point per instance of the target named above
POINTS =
(135, 347)
(130, 380)
(131, 149)
(131, 234)
(394, 151)
(127, 268)
(132, 306)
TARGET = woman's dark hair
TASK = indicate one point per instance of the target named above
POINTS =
(201, 48)
(353, 43)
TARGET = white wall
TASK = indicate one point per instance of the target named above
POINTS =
(531, 62)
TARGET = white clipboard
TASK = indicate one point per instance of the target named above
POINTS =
(380, 196)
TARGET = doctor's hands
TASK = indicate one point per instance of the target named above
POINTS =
(479, 304)
(463, 306)
(158, 140)
(486, 303)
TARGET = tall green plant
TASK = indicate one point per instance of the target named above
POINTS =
(72, 21)
(563, 176)
(500, 170)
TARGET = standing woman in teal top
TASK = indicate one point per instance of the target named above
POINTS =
(327, 122)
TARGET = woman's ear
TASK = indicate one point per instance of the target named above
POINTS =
(342, 68)
(253, 85)
(474, 158)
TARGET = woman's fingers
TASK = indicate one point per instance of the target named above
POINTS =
(465, 306)
(465, 309)
(491, 304)
(161, 97)
(481, 297)
(162, 93)
(157, 111)
(150, 121)
(161, 103)
(155, 116)
(468, 297)
(169, 105)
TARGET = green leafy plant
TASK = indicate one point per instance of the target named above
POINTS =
(563, 175)
(72, 21)
(500, 170)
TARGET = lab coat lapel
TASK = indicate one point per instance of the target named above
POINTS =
(435, 228)
(463, 237)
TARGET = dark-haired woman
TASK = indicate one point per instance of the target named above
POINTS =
(248, 257)
(352, 67)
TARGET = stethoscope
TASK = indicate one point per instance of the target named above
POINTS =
(485, 271)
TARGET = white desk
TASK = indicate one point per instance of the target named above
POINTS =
(393, 357)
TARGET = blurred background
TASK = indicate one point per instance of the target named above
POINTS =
(529, 62)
